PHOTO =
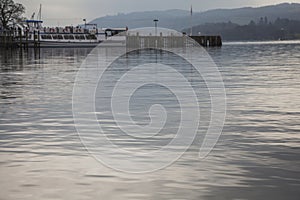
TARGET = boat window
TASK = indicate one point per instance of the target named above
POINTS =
(69, 37)
(79, 37)
(108, 33)
(46, 37)
(60, 37)
(91, 37)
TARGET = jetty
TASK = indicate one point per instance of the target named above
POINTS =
(171, 41)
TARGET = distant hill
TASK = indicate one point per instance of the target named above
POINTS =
(280, 29)
(167, 19)
(180, 19)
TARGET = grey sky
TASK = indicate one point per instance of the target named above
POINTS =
(67, 12)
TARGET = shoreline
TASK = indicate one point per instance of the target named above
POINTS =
(261, 42)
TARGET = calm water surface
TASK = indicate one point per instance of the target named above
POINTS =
(257, 156)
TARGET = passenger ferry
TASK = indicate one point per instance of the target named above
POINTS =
(33, 34)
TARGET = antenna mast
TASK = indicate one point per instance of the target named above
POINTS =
(40, 13)
(191, 20)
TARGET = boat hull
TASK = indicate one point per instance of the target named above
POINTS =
(56, 44)
(53, 44)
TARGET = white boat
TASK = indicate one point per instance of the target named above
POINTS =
(34, 35)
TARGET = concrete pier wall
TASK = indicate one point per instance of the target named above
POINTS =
(137, 41)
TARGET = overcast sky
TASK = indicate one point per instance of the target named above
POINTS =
(71, 12)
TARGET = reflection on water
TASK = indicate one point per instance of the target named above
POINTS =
(257, 157)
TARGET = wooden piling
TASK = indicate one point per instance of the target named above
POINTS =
(26, 38)
(7, 39)
(21, 38)
(39, 42)
(34, 39)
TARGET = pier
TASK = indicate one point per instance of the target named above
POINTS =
(171, 41)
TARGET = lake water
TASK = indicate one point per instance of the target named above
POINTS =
(256, 157)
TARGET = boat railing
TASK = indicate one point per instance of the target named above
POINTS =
(67, 36)
(71, 30)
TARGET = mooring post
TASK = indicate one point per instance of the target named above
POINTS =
(20, 36)
(4, 39)
(26, 45)
(39, 39)
(10, 42)
(34, 39)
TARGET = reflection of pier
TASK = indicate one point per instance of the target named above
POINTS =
(171, 41)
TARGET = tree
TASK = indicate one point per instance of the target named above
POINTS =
(252, 23)
(10, 11)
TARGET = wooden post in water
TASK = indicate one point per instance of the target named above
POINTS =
(26, 35)
(21, 38)
(39, 42)
(34, 39)
(10, 41)
(4, 39)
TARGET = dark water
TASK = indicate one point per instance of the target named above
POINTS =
(257, 156)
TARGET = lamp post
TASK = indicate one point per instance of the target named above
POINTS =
(155, 22)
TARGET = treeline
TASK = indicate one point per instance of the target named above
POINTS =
(280, 29)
